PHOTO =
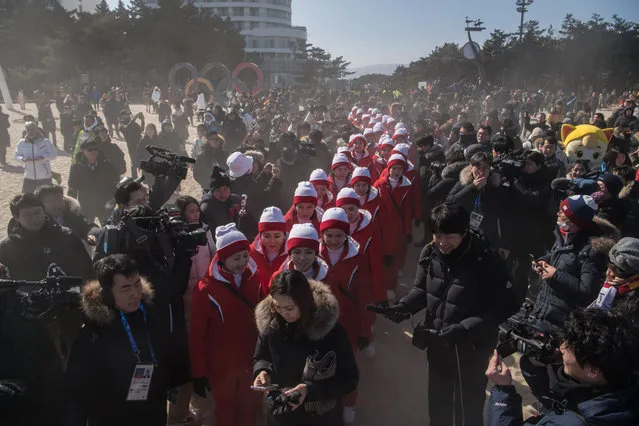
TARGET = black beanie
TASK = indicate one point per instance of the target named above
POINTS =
(613, 183)
(219, 178)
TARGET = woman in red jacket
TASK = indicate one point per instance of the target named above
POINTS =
(304, 208)
(340, 173)
(367, 195)
(303, 253)
(396, 196)
(269, 247)
(223, 332)
(380, 160)
(325, 198)
(358, 153)
(412, 175)
(349, 279)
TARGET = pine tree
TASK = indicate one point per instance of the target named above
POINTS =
(102, 8)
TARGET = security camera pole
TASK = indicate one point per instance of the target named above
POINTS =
(473, 25)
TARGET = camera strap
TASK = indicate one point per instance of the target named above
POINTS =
(399, 210)
(239, 295)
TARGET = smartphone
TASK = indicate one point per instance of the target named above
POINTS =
(266, 388)
(533, 258)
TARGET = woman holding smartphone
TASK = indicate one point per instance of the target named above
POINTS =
(303, 349)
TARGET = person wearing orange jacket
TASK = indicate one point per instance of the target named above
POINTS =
(304, 208)
(269, 247)
(368, 196)
(325, 198)
(349, 279)
(302, 246)
(396, 196)
(223, 331)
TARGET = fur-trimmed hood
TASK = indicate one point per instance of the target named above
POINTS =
(466, 177)
(72, 205)
(96, 309)
(453, 170)
(605, 236)
(324, 318)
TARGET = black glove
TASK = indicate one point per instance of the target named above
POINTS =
(397, 313)
(363, 343)
(409, 238)
(383, 304)
(200, 386)
(453, 334)
(388, 261)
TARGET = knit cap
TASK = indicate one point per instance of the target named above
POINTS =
(305, 193)
(401, 148)
(385, 140)
(341, 160)
(397, 159)
(346, 196)
(378, 128)
(219, 178)
(319, 177)
(613, 183)
(271, 219)
(361, 174)
(335, 218)
(579, 209)
(302, 235)
(228, 241)
(400, 132)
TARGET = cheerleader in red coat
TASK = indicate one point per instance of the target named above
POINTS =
(325, 198)
(223, 332)
(349, 279)
(369, 237)
(269, 247)
(413, 177)
(303, 253)
(357, 148)
(368, 195)
(340, 173)
(304, 208)
(396, 195)
(380, 160)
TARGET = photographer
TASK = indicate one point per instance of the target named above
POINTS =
(112, 379)
(594, 385)
(132, 132)
(465, 289)
(212, 154)
(294, 166)
(303, 348)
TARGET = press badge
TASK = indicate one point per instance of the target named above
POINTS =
(140, 383)
(475, 220)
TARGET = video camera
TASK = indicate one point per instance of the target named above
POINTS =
(166, 227)
(520, 334)
(437, 166)
(582, 186)
(173, 165)
(36, 300)
(509, 165)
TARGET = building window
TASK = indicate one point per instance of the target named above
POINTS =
(238, 11)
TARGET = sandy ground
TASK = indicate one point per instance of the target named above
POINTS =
(393, 386)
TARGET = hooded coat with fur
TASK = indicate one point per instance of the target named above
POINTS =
(102, 363)
(320, 356)
(581, 261)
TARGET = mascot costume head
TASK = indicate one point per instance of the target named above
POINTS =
(585, 142)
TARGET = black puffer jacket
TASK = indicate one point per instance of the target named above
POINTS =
(581, 266)
(102, 363)
(440, 186)
(489, 200)
(321, 358)
(469, 286)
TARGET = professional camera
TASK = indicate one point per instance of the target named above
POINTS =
(166, 228)
(520, 334)
(582, 186)
(437, 166)
(509, 165)
(43, 299)
(164, 162)
(279, 402)
(306, 148)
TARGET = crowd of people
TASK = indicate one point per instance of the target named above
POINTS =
(308, 208)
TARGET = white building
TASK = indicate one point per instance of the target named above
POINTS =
(79, 5)
(268, 32)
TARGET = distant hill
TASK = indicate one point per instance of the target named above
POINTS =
(386, 69)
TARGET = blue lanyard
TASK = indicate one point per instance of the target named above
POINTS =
(478, 202)
(134, 346)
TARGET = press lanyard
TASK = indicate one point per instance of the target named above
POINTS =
(134, 346)
(478, 203)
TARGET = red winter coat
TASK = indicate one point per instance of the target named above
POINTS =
(265, 267)
(397, 210)
(412, 175)
(223, 332)
(366, 161)
(291, 218)
(378, 167)
(369, 237)
(350, 281)
(372, 202)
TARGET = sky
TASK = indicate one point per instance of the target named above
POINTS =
(370, 32)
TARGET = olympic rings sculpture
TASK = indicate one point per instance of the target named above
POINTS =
(229, 79)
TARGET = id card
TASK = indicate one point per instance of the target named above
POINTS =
(475, 220)
(140, 383)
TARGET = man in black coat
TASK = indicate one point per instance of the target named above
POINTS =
(212, 155)
(465, 289)
(132, 132)
(122, 346)
(219, 206)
